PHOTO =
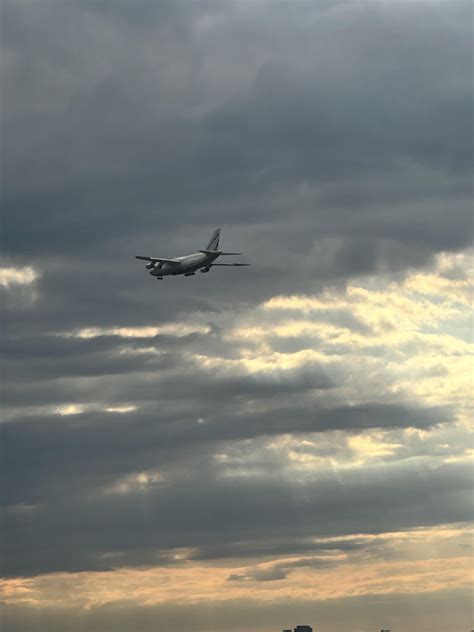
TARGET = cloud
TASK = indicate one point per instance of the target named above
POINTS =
(263, 114)
(237, 408)
(220, 507)
(272, 424)
(17, 276)
(394, 610)
(277, 572)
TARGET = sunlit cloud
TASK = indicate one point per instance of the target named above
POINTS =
(366, 446)
(18, 276)
(69, 409)
(411, 339)
(120, 409)
(135, 482)
(177, 329)
(77, 409)
(416, 561)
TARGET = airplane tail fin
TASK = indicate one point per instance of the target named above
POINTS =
(214, 242)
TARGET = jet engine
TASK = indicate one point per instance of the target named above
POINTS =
(150, 265)
(205, 269)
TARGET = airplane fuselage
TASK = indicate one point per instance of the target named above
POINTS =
(188, 264)
(203, 260)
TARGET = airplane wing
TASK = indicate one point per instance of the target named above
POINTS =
(160, 259)
(228, 264)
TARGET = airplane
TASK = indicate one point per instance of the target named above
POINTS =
(189, 264)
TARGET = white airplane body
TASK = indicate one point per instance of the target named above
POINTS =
(189, 264)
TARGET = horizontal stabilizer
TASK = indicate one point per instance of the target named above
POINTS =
(229, 264)
(219, 252)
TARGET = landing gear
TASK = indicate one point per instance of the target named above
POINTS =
(159, 278)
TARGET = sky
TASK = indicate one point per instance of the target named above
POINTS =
(253, 448)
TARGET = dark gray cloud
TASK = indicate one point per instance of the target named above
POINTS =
(280, 571)
(181, 128)
(55, 456)
(101, 532)
(262, 549)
